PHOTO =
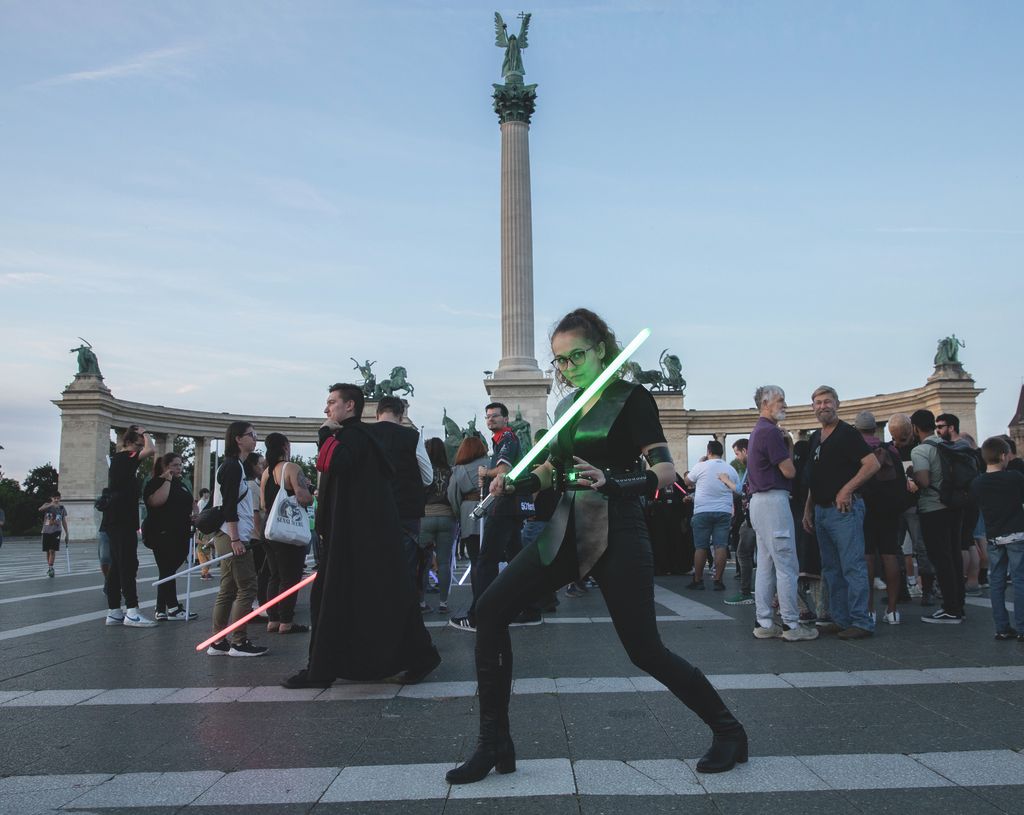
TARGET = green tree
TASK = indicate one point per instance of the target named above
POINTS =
(20, 509)
(308, 466)
(41, 482)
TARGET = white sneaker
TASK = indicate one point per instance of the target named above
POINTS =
(893, 617)
(133, 619)
(800, 632)
(914, 590)
(115, 617)
(879, 584)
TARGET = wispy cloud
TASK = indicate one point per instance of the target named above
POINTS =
(160, 62)
(459, 312)
(23, 278)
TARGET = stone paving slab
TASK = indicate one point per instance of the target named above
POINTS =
(616, 778)
(130, 696)
(150, 789)
(551, 776)
(883, 771)
(375, 783)
(980, 768)
(293, 786)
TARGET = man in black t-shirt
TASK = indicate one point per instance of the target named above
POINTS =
(841, 461)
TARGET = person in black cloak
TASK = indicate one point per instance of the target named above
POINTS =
(366, 619)
(598, 527)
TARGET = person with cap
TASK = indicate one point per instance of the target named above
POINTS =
(883, 511)
(841, 463)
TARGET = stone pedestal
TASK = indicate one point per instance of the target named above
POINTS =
(529, 394)
(676, 424)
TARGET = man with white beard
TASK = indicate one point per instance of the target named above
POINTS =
(770, 473)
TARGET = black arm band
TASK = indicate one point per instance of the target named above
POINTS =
(627, 485)
(659, 455)
(529, 483)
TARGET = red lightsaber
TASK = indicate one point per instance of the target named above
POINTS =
(256, 612)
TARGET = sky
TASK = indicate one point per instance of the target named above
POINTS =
(229, 200)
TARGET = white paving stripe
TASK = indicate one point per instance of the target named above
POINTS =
(64, 622)
(537, 777)
(685, 607)
(520, 687)
(985, 602)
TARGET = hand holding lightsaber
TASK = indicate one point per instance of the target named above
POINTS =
(591, 391)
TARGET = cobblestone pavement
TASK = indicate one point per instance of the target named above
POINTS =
(101, 719)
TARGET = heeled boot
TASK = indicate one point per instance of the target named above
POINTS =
(494, 749)
(729, 742)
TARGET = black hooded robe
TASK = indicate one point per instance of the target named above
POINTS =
(367, 624)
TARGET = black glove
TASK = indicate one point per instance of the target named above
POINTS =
(627, 485)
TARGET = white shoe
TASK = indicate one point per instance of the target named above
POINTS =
(879, 584)
(800, 632)
(893, 617)
(133, 619)
(914, 590)
(115, 617)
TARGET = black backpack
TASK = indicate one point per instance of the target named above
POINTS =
(959, 469)
(886, 491)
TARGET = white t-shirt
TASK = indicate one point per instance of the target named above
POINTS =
(712, 495)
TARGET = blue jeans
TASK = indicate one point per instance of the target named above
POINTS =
(710, 529)
(531, 531)
(841, 540)
(437, 531)
(1008, 557)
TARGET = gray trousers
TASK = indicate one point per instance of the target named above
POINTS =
(777, 564)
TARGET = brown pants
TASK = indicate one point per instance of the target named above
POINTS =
(237, 588)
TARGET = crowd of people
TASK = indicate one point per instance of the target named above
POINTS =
(815, 525)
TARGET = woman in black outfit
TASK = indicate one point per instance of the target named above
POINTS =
(598, 527)
(285, 560)
(167, 529)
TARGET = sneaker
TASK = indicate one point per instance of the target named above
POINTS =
(245, 648)
(574, 590)
(828, 627)
(424, 608)
(590, 583)
(774, 632)
(740, 599)
(462, 624)
(160, 616)
(973, 591)
(219, 649)
(1008, 634)
(442, 608)
(943, 617)
(696, 584)
(798, 632)
(914, 590)
(879, 584)
(115, 616)
(527, 617)
(718, 585)
(808, 617)
(49, 572)
(854, 632)
(178, 613)
(892, 618)
(133, 618)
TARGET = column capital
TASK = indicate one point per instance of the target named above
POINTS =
(514, 102)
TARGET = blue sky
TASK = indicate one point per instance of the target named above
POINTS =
(229, 200)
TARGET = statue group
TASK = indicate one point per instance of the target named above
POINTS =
(88, 364)
(396, 382)
(669, 378)
(948, 352)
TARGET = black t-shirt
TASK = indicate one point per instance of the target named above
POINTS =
(174, 516)
(636, 427)
(544, 504)
(834, 462)
(1000, 497)
(123, 512)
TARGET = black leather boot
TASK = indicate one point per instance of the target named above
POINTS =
(729, 742)
(494, 748)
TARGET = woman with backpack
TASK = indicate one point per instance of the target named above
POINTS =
(284, 560)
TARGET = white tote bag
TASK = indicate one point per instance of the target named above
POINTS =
(287, 521)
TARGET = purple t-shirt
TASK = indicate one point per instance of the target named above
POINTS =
(766, 449)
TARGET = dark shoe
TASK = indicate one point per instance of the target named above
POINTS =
(462, 624)
(828, 627)
(726, 751)
(527, 617)
(696, 584)
(943, 617)
(303, 680)
(246, 649)
(854, 632)
(1008, 634)
(414, 676)
(500, 757)
(219, 648)
(296, 628)
(718, 585)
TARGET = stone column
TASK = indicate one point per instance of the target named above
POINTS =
(517, 380)
(201, 468)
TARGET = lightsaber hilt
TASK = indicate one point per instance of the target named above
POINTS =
(481, 509)
(197, 567)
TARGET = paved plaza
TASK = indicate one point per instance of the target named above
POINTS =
(116, 720)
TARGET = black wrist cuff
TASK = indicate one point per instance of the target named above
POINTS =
(659, 455)
(529, 483)
(626, 485)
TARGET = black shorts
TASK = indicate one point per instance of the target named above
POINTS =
(881, 534)
(51, 541)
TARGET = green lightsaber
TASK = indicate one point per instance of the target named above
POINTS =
(595, 387)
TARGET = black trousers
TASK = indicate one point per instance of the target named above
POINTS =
(170, 552)
(625, 574)
(284, 563)
(124, 566)
(941, 532)
(499, 541)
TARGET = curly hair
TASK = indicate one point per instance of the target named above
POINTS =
(595, 330)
